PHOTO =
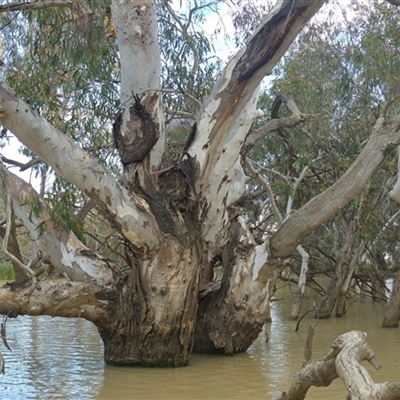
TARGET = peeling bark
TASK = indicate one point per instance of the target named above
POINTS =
(129, 213)
(229, 110)
(231, 317)
(57, 298)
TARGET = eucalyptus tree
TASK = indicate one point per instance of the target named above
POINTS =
(340, 73)
(174, 211)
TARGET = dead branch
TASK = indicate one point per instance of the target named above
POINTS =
(343, 361)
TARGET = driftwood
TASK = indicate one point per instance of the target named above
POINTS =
(342, 361)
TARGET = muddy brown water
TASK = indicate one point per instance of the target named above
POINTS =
(56, 358)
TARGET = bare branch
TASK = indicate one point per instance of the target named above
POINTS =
(22, 272)
(267, 188)
(22, 166)
(275, 123)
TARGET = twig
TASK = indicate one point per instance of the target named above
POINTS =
(300, 319)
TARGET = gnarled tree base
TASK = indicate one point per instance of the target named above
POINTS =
(343, 361)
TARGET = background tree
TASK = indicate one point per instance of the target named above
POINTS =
(341, 73)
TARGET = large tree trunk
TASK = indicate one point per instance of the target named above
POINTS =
(153, 316)
(230, 318)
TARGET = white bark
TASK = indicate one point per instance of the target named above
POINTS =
(231, 107)
(395, 192)
(305, 257)
(76, 166)
(222, 169)
(137, 35)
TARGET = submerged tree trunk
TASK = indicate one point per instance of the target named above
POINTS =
(341, 302)
(392, 314)
(341, 273)
(301, 286)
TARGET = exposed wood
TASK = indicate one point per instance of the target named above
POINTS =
(231, 107)
(137, 36)
(355, 377)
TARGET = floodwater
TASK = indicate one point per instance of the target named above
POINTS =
(54, 358)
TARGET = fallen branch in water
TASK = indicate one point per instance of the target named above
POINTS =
(342, 361)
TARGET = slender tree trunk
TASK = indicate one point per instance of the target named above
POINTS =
(392, 315)
(342, 269)
(341, 302)
(301, 287)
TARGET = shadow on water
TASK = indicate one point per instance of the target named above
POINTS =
(56, 358)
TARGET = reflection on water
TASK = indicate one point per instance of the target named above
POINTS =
(56, 358)
(51, 358)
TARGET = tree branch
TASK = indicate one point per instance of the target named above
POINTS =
(61, 248)
(384, 139)
(275, 123)
(22, 166)
(231, 107)
(343, 360)
(36, 5)
(22, 272)
(77, 167)
(58, 299)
